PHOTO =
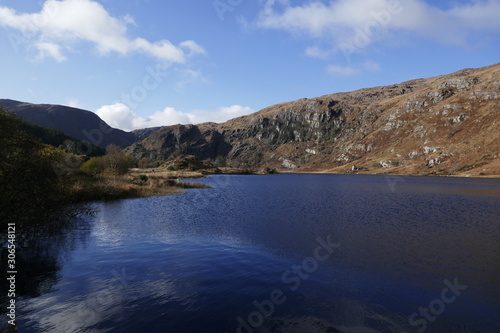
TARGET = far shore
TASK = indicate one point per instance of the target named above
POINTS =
(142, 183)
(327, 172)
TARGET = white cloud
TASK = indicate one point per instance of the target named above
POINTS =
(371, 66)
(316, 52)
(337, 70)
(318, 19)
(161, 50)
(222, 114)
(74, 103)
(61, 24)
(363, 22)
(192, 47)
(188, 77)
(119, 115)
(169, 116)
(245, 25)
(129, 19)
(342, 70)
(52, 50)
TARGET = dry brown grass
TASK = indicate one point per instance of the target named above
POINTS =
(113, 187)
(163, 173)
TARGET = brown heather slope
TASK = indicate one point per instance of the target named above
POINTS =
(445, 125)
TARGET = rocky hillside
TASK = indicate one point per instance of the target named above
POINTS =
(443, 125)
(79, 124)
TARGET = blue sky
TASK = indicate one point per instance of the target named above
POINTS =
(143, 63)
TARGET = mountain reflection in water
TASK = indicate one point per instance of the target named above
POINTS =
(215, 260)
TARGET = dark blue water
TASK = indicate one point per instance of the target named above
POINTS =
(284, 253)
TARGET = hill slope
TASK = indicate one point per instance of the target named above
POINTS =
(443, 125)
(77, 123)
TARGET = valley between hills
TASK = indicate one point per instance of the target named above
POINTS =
(444, 125)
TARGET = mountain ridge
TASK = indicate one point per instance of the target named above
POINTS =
(443, 125)
(78, 123)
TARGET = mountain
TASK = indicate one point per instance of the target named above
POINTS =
(59, 139)
(443, 125)
(79, 124)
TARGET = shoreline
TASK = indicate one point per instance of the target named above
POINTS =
(137, 183)
(389, 174)
(143, 183)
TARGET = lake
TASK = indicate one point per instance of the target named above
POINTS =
(278, 253)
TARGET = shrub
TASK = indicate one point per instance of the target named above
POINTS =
(247, 171)
(144, 163)
(191, 163)
(269, 171)
(142, 178)
(94, 166)
(116, 162)
(31, 185)
(220, 161)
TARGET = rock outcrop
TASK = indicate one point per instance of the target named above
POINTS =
(442, 125)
